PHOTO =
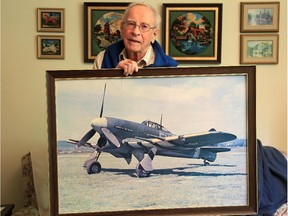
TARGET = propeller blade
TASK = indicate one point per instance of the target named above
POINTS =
(102, 107)
(111, 137)
(86, 137)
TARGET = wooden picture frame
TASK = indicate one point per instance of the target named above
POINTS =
(193, 32)
(259, 17)
(50, 47)
(50, 19)
(259, 48)
(99, 18)
(173, 188)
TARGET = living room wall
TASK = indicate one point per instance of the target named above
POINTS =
(23, 82)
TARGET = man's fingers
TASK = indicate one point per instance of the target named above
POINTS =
(128, 66)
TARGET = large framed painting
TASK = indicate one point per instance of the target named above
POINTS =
(170, 141)
(192, 32)
(259, 16)
(101, 26)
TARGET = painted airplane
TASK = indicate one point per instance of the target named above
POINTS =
(123, 138)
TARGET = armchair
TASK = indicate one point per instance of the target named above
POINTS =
(35, 184)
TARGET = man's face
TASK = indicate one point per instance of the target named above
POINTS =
(136, 41)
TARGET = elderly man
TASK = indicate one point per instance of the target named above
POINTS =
(138, 49)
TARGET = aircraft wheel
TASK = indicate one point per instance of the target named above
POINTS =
(94, 168)
(206, 163)
(141, 172)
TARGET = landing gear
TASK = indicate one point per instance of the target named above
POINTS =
(94, 168)
(140, 172)
(144, 167)
(92, 165)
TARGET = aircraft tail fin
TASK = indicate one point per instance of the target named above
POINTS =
(209, 153)
(216, 149)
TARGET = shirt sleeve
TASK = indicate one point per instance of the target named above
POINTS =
(98, 60)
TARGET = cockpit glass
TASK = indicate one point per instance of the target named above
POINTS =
(154, 125)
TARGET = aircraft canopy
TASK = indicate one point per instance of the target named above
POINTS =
(154, 125)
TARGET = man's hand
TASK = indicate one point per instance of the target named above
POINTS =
(129, 66)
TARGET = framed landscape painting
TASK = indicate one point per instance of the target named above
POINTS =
(259, 49)
(170, 141)
(259, 16)
(101, 26)
(192, 32)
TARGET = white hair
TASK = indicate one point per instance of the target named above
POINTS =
(157, 17)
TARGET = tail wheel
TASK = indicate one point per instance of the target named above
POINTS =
(94, 168)
(206, 163)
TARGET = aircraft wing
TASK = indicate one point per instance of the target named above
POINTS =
(190, 140)
(201, 139)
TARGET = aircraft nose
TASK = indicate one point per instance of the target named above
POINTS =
(99, 123)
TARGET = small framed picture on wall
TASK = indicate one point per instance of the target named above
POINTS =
(259, 16)
(50, 47)
(50, 19)
(259, 49)
(102, 22)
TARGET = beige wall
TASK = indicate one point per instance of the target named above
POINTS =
(23, 98)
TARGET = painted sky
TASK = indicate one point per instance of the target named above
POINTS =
(188, 104)
(113, 18)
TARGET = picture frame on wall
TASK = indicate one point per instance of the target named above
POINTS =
(259, 48)
(50, 19)
(185, 101)
(193, 32)
(259, 16)
(50, 47)
(101, 26)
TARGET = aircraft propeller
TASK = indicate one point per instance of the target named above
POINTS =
(92, 132)
(86, 137)
(102, 106)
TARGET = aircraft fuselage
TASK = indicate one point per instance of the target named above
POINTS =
(138, 136)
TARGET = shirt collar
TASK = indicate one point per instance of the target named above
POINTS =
(148, 58)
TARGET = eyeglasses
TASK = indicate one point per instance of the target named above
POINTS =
(130, 25)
